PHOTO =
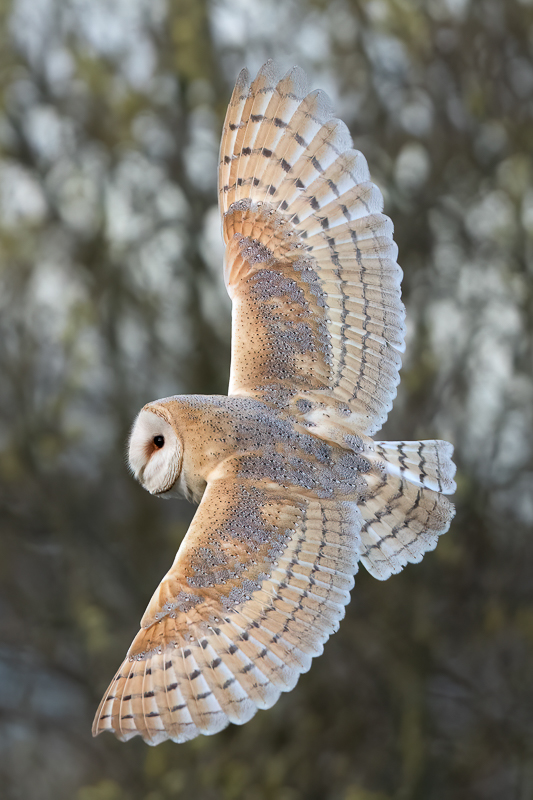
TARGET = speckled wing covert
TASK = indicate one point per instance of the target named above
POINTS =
(263, 575)
(310, 260)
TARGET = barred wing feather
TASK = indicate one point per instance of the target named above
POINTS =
(310, 259)
(259, 584)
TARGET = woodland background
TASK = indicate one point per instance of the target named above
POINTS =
(111, 295)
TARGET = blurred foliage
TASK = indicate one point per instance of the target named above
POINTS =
(111, 295)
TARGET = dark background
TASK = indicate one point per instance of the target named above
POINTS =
(111, 295)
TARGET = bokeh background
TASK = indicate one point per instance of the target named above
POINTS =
(111, 295)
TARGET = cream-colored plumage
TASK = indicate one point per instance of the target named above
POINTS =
(293, 492)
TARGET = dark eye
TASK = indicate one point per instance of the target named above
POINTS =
(159, 441)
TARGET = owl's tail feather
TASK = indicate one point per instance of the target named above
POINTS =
(405, 510)
(427, 464)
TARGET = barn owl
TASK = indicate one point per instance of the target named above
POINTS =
(293, 492)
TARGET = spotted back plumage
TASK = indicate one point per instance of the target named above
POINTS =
(293, 492)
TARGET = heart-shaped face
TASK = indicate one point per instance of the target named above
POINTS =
(155, 453)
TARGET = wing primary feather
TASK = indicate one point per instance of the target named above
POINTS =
(302, 191)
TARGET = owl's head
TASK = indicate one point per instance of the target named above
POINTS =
(155, 451)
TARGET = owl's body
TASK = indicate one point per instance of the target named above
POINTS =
(293, 492)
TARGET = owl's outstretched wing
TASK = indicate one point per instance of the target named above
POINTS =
(259, 584)
(310, 260)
